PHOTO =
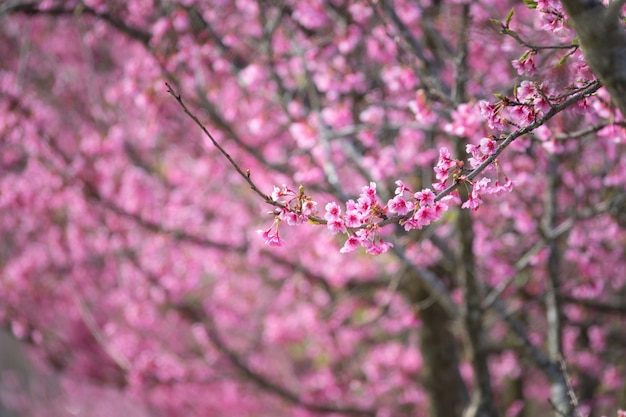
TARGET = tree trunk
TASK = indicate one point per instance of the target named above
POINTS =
(442, 380)
(603, 41)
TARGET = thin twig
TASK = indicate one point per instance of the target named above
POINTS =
(244, 175)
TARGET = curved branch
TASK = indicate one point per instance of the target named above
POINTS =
(31, 9)
(260, 380)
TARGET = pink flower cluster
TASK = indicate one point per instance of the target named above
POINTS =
(531, 101)
(420, 208)
(493, 114)
(293, 207)
(445, 168)
(481, 187)
(485, 148)
(360, 215)
(364, 217)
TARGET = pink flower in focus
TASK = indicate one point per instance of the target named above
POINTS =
(438, 208)
(488, 146)
(353, 218)
(369, 192)
(336, 226)
(291, 218)
(474, 200)
(526, 91)
(399, 205)
(363, 205)
(279, 192)
(499, 188)
(425, 197)
(542, 104)
(444, 164)
(424, 216)
(401, 188)
(271, 239)
(492, 113)
(309, 208)
(377, 247)
(333, 211)
(351, 244)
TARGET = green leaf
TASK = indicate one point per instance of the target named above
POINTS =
(530, 4)
(524, 56)
(562, 61)
(508, 18)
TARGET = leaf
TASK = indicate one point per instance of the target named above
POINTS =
(530, 4)
(562, 61)
(508, 18)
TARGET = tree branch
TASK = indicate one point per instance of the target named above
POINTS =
(260, 380)
(30, 8)
(244, 175)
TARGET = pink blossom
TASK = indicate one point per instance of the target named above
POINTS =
(350, 245)
(488, 146)
(271, 239)
(492, 113)
(526, 91)
(444, 164)
(333, 211)
(473, 202)
(498, 187)
(425, 197)
(424, 216)
(522, 114)
(336, 225)
(399, 205)
(369, 192)
(438, 209)
(353, 218)
(279, 192)
(377, 247)
(401, 187)
(291, 217)
(526, 64)
(541, 104)
(364, 204)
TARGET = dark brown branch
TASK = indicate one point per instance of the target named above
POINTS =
(426, 69)
(244, 175)
(31, 9)
(258, 379)
(92, 193)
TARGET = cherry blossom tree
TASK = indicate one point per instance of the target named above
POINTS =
(320, 208)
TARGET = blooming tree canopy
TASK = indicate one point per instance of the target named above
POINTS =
(316, 208)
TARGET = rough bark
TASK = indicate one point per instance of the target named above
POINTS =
(602, 39)
(442, 380)
(482, 404)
